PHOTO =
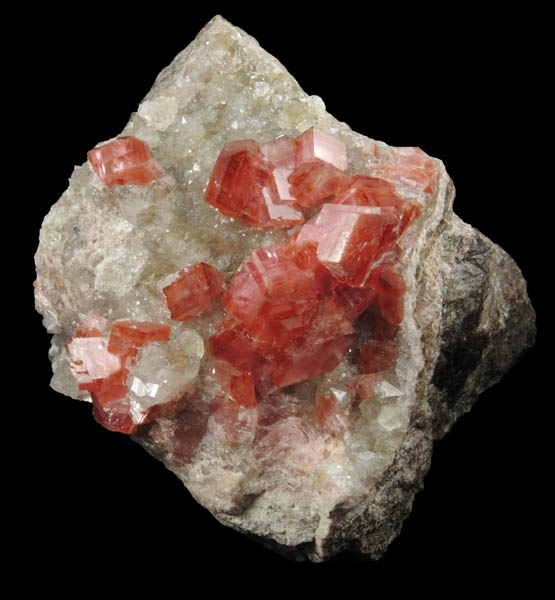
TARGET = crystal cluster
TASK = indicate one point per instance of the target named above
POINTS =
(283, 311)
(100, 357)
(104, 356)
(290, 306)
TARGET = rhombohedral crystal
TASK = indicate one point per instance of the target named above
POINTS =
(272, 304)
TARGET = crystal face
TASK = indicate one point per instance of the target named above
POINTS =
(189, 292)
(243, 186)
(126, 160)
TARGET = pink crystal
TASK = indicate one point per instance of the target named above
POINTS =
(281, 178)
(409, 167)
(329, 416)
(124, 160)
(362, 386)
(391, 289)
(317, 145)
(280, 152)
(89, 358)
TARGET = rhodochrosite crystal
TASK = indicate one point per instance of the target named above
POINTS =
(273, 305)
(124, 160)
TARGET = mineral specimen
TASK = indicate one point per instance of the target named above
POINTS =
(272, 304)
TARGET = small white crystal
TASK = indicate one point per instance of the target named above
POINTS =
(159, 112)
(391, 417)
(384, 389)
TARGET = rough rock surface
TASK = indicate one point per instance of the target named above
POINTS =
(103, 250)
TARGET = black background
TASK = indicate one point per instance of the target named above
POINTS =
(462, 87)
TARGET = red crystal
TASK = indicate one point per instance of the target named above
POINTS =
(126, 337)
(371, 191)
(312, 183)
(362, 386)
(234, 345)
(310, 360)
(189, 292)
(114, 415)
(391, 289)
(315, 145)
(124, 160)
(355, 301)
(286, 324)
(242, 186)
(352, 240)
(275, 294)
(289, 307)
(182, 435)
(329, 416)
(238, 384)
(377, 355)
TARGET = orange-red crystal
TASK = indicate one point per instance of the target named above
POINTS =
(189, 292)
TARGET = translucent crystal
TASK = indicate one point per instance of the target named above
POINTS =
(124, 160)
